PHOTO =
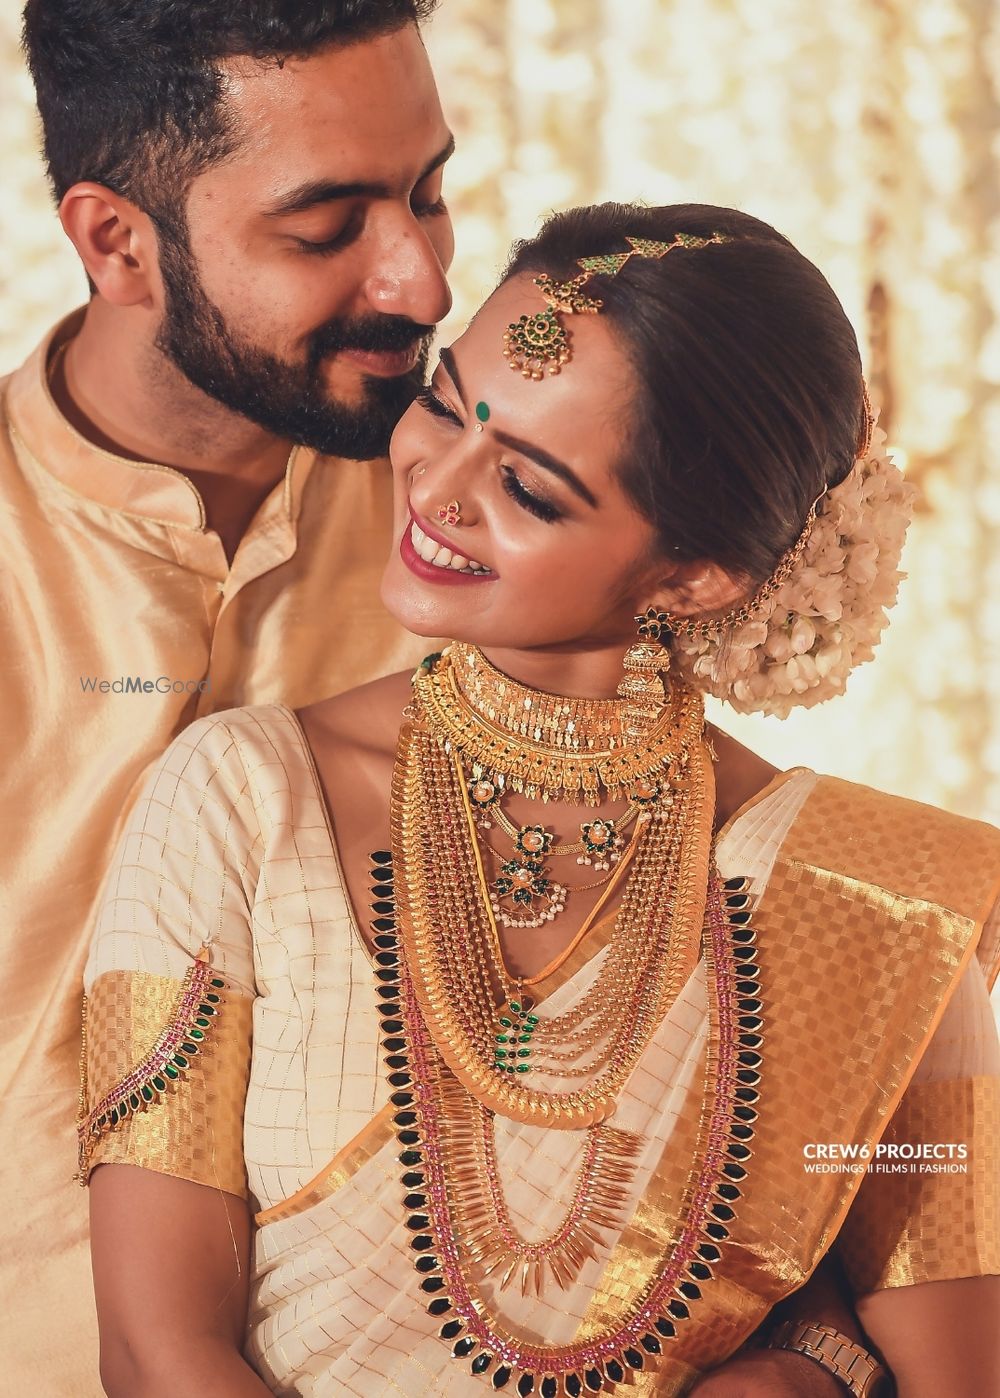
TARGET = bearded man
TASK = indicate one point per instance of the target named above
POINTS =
(195, 501)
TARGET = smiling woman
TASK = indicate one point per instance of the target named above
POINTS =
(192, 477)
(508, 998)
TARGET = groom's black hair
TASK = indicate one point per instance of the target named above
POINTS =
(131, 94)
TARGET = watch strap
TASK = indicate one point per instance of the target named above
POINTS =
(856, 1368)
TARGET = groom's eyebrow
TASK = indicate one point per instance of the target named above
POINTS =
(313, 192)
(538, 455)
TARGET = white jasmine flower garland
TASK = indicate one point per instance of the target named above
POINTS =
(801, 644)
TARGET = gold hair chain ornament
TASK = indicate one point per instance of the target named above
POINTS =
(655, 623)
(540, 343)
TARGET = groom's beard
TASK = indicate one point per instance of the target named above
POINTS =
(289, 399)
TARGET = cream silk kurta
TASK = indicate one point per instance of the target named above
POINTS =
(109, 572)
(286, 1100)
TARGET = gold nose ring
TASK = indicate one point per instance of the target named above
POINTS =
(450, 513)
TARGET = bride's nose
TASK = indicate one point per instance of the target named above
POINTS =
(445, 492)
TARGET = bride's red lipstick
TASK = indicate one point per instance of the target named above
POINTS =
(432, 572)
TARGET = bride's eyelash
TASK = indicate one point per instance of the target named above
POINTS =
(534, 504)
(429, 400)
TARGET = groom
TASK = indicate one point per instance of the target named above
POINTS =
(194, 501)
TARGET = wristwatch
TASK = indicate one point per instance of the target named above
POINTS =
(854, 1366)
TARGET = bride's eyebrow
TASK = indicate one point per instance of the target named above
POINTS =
(448, 360)
(543, 459)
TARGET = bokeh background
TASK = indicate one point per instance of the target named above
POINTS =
(867, 131)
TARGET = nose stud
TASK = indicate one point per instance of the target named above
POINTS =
(450, 513)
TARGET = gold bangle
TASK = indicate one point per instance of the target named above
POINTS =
(859, 1371)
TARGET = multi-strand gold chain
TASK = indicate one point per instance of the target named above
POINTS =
(450, 931)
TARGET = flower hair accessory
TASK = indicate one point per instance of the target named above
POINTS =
(822, 611)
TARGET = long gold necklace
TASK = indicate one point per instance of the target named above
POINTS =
(449, 927)
(496, 1037)
(435, 1178)
(461, 1036)
(489, 1234)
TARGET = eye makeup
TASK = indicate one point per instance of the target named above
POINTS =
(511, 482)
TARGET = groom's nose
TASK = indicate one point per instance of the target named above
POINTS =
(409, 261)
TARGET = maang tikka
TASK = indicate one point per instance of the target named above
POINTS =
(539, 344)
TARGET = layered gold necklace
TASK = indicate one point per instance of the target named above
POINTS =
(481, 1019)
(472, 1042)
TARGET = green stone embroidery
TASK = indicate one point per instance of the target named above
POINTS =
(198, 1004)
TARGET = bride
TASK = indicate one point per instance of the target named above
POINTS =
(505, 1026)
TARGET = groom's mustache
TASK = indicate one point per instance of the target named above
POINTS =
(369, 334)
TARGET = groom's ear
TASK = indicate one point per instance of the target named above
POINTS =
(115, 240)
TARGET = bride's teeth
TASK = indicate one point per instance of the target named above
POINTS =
(432, 552)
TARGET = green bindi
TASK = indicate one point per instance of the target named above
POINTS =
(483, 412)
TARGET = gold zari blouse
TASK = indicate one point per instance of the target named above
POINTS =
(870, 911)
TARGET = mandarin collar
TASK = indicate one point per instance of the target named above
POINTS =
(148, 489)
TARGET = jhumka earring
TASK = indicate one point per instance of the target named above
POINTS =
(646, 660)
(450, 513)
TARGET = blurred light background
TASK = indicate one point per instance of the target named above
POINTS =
(866, 131)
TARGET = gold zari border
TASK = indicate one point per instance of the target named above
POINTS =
(194, 1129)
(870, 916)
(934, 1223)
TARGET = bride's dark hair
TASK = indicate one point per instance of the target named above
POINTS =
(748, 389)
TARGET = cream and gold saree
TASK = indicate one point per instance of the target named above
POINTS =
(233, 1039)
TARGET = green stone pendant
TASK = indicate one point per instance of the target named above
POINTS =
(483, 412)
(515, 1028)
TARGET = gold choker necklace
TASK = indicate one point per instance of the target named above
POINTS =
(573, 749)
(572, 724)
